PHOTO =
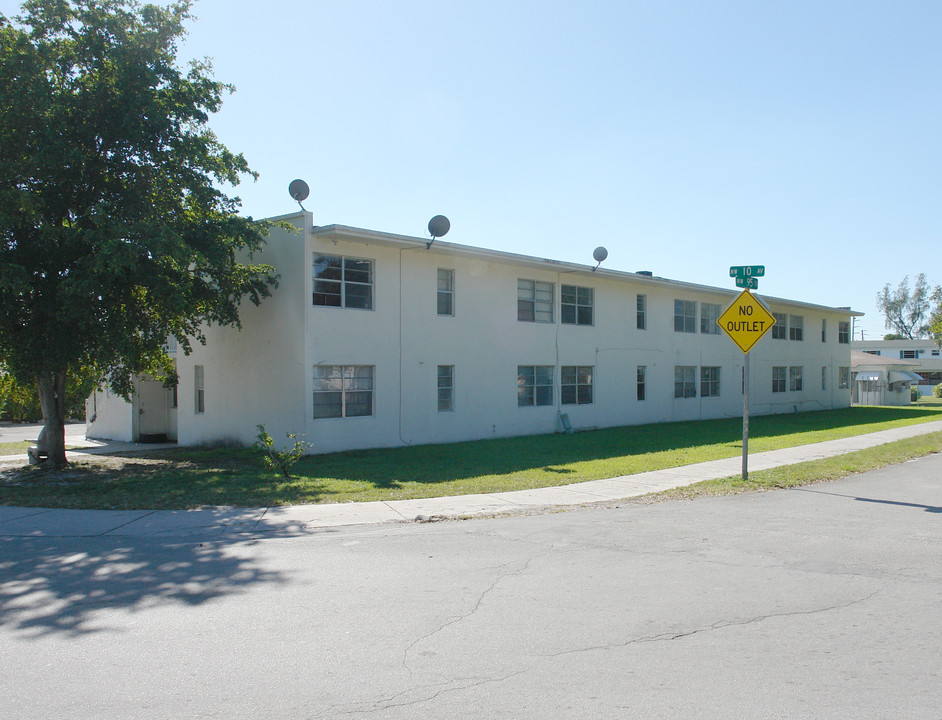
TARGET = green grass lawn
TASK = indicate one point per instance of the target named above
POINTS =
(193, 477)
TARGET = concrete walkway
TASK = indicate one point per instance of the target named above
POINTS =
(220, 522)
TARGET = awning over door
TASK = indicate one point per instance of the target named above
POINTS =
(867, 377)
(903, 376)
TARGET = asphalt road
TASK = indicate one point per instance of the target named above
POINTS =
(821, 602)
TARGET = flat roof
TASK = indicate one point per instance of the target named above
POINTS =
(346, 232)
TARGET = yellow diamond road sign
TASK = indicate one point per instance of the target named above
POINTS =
(746, 321)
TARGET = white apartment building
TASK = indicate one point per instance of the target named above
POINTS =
(378, 340)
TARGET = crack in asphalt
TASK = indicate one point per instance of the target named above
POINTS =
(718, 625)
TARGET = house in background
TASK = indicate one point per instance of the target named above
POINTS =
(925, 356)
(379, 340)
(879, 380)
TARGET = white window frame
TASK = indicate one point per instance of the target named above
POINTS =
(535, 301)
(710, 381)
(843, 377)
(199, 394)
(843, 334)
(446, 388)
(575, 384)
(779, 378)
(581, 305)
(685, 316)
(446, 293)
(641, 318)
(780, 327)
(795, 383)
(641, 382)
(344, 282)
(796, 327)
(709, 314)
(346, 382)
(685, 381)
(535, 385)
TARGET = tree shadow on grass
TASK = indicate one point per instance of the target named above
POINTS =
(65, 585)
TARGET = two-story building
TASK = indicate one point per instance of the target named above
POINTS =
(378, 340)
(924, 356)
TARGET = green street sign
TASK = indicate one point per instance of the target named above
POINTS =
(747, 282)
(744, 271)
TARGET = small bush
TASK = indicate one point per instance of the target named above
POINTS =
(937, 390)
(913, 393)
(276, 459)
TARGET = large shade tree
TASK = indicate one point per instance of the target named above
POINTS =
(115, 228)
(907, 311)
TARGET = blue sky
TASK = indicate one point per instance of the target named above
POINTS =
(684, 136)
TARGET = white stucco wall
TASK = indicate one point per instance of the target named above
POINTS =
(264, 373)
(109, 417)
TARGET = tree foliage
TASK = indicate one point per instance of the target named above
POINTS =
(906, 311)
(114, 232)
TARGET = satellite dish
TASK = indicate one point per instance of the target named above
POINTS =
(299, 190)
(599, 254)
(438, 227)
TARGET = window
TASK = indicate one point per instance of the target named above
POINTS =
(343, 282)
(575, 385)
(780, 328)
(824, 378)
(685, 316)
(685, 381)
(200, 395)
(575, 307)
(642, 309)
(824, 330)
(709, 382)
(843, 378)
(843, 332)
(446, 388)
(535, 301)
(642, 371)
(534, 385)
(709, 314)
(778, 379)
(446, 292)
(909, 354)
(796, 327)
(794, 378)
(343, 391)
(935, 352)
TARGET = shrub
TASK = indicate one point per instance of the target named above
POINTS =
(937, 390)
(276, 459)
(913, 393)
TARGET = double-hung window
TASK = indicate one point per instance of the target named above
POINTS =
(446, 388)
(843, 332)
(685, 381)
(709, 314)
(575, 305)
(535, 301)
(780, 328)
(640, 382)
(642, 306)
(843, 377)
(534, 385)
(796, 327)
(343, 282)
(446, 292)
(709, 382)
(824, 330)
(685, 316)
(779, 381)
(342, 391)
(575, 385)
(200, 394)
(794, 378)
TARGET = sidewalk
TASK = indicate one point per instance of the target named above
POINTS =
(221, 522)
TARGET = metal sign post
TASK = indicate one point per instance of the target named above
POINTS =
(745, 321)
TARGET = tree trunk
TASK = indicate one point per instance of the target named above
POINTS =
(52, 401)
